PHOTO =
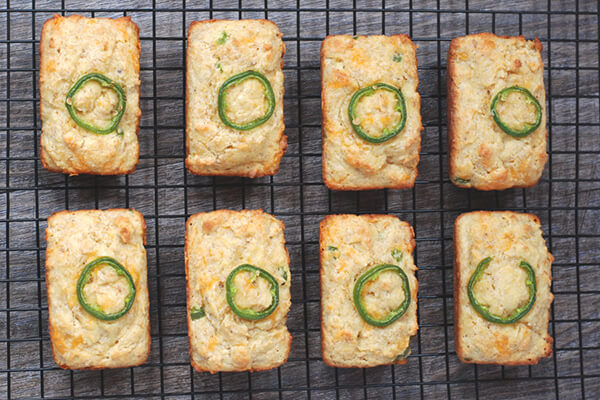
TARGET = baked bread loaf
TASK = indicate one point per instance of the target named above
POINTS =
(228, 134)
(482, 154)
(80, 339)
(250, 333)
(382, 66)
(101, 55)
(504, 288)
(369, 330)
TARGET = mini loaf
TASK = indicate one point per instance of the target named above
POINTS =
(349, 65)
(482, 154)
(501, 241)
(81, 340)
(351, 247)
(254, 336)
(230, 136)
(71, 49)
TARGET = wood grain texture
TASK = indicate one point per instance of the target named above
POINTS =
(566, 200)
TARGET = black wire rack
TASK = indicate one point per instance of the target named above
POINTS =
(567, 200)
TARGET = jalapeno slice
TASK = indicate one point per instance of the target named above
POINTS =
(484, 311)
(239, 78)
(84, 279)
(461, 181)
(369, 91)
(529, 99)
(231, 290)
(403, 356)
(371, 275)
(104, 82)
(197, 313)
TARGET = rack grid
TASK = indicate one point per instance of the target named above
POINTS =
(567, 200)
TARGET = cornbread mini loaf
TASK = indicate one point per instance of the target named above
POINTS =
(502, 298)
(368, 290)
(371, 112)
(234, 101)
(97, 285)
(238, 291)
(496, 112)
(89, 92)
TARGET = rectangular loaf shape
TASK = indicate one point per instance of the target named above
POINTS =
(70, 48)
(216, 243)
(509, 238)
(350, 245)
(79, 339)
(349, 64)
(482, 155)
(217, 51)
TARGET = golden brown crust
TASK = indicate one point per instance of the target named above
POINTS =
(187, 282)
(323, 223)
(460, 351)
(198, 368)
(87, 170)
(269, 169)
(452, 94)
(450, 108)
(187, 251)
(456, 279)
(330, 183)
(52, 330)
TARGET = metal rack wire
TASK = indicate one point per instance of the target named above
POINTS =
(566, 200)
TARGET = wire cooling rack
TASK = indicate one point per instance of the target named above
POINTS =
(567, 200)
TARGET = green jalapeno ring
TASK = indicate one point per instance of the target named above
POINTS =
(104, 82)
(519, 312)
(239, 78)
(231, 290)
(530, 99)
(369, 91)
(84, 279)
(371, 275)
